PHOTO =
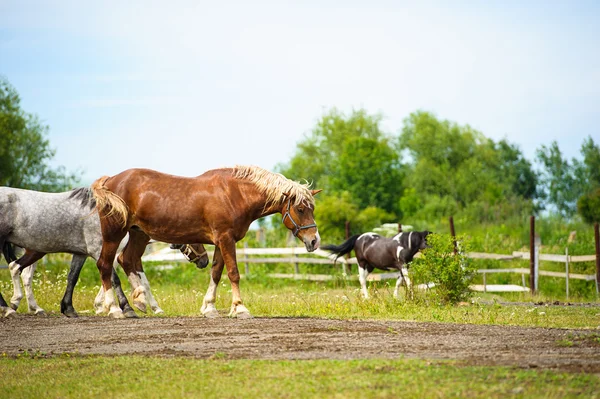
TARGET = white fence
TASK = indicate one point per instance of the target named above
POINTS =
(298, 255)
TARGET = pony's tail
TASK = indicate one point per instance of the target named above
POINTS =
(109, 203)
(343, 248)
(8, 250)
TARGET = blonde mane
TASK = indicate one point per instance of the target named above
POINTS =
(275, 185)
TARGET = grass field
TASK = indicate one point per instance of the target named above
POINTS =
(180, 292)
(134, 377)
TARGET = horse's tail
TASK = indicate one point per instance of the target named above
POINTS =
(109, 203)
(343, 248)
(9, 252)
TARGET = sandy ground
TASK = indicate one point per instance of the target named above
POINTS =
(304, 338)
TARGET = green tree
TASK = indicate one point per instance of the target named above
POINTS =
(588, 206)
(24, 149)
(587, 174)
(452, 167)
(566, 182)
(350, 154)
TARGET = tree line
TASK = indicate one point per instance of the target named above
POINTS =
(430, 169)
(434, 168)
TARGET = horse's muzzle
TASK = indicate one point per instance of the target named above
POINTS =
(312, 243)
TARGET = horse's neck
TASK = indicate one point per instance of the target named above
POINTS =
(409, 254)
(257, 202)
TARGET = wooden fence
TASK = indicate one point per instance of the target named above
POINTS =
(295, 256)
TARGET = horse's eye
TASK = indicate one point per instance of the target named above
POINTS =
(300, 209)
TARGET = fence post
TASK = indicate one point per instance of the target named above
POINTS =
(399, 228)
(453, 234)
(567, 271)
(296, 265)
(532, 282)
(597, 239)
(246, 265)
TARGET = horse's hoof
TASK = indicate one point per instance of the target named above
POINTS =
(13, 306)
(212, 314)
(71, 313)
(140, 305)
(130, 314)
(116, 314)
(158, 311)
(8, 312)
(40, 312)
(242, 315)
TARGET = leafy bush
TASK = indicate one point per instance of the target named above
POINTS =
(452, 274)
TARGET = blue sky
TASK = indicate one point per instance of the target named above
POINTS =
(183, 87)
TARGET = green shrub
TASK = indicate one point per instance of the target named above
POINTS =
(452, 274)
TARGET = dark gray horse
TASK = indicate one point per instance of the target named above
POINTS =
(61, 222)
(375, 251)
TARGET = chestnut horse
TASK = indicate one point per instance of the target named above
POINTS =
(216, 208)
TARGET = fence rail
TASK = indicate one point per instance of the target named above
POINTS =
(298, 255)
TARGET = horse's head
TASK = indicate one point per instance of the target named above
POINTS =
(300, 220)
(195, 253)
(423, 242)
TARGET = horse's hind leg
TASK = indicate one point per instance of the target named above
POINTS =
(16, 267)
(363, 273)
(131, 254)
(123, 302)
(208, 308)
(105, 267)
(27, 278)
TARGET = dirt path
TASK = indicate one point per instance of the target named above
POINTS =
(294, 338)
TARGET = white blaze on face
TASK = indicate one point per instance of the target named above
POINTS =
(318, 244)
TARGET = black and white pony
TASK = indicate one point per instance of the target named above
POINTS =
(43, 223)
(375, 251)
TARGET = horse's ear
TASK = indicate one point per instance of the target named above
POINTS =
(315, 192)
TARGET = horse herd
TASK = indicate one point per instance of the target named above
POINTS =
(124, 212)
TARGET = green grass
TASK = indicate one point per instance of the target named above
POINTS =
(180, 292)
(152, 377)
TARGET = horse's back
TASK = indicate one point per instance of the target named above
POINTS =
(50, 222)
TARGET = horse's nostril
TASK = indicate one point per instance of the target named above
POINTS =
(313, 243)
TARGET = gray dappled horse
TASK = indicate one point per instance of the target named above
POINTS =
(59, 222)
(375, 251)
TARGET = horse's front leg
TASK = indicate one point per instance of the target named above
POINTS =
(66, 305)
(408, 283)
(229, 256)
(208, 308)
(5, 310)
